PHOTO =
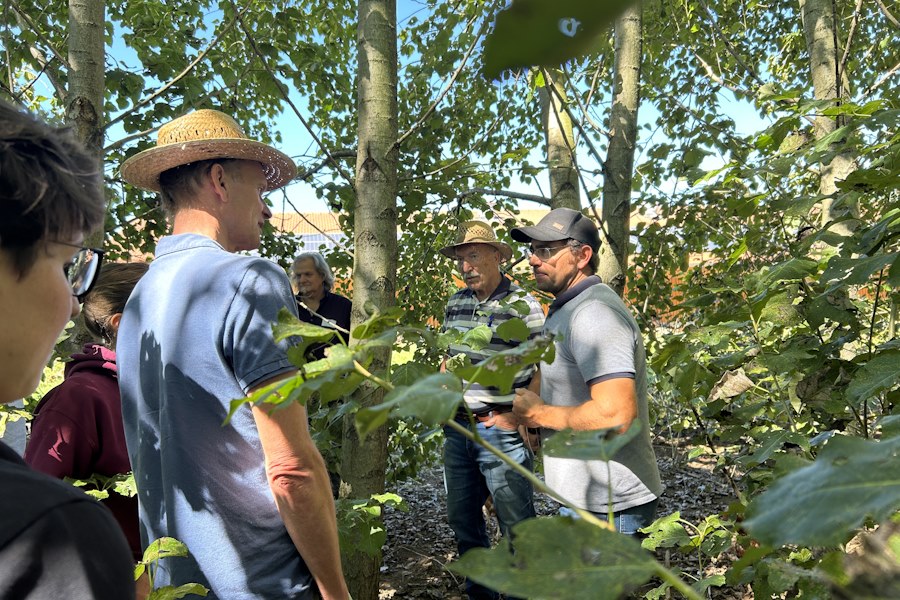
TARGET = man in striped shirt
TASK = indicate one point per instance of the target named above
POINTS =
(471, 473)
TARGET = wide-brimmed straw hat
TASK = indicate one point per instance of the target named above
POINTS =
(204, 135)
(477, 232)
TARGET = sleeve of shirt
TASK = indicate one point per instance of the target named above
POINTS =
(535, 317)
(264, 290)
(602, 342)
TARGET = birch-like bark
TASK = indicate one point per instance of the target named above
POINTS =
(619, 166)
(364, 463)
(829, 83)
(560, 139)
(87, 72)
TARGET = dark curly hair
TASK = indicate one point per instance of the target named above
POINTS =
(51, 188)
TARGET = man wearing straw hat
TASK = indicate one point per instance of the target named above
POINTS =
(250, 498)
(471, 473)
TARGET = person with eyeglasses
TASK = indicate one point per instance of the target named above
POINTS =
(471, 473)
(55, 541)
(246, 491)
(77, 429)
(598, 379)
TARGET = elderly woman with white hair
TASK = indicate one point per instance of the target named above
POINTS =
(312, 280)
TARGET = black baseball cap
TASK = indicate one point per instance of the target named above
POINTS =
(560, 224)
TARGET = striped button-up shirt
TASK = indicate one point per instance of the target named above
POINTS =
(464, 312)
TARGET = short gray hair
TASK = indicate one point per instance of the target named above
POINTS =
(320, 264)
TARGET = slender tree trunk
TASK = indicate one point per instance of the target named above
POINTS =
(364, 462)
(87, 70)
(829, 83)
(560, 140)
(619, 165)
(84, 101)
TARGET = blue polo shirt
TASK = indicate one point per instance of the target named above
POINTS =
(195, 335)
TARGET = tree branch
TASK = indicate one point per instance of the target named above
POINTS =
(505, 193)
(842, 66)
(290, 102)
(887, 14)
(181, 75)
(23, 17)
(881, 80)
(446, 90)
(728, 46)
(305, 175)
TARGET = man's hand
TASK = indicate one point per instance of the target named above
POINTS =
(527, 406)
(507, 421)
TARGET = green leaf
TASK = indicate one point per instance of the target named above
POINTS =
(856, 271)
(513, 330)
(791, 270)
(560, 557)
(666, 532)
(597, 444)
(170, 592)
(433, 400)
(537, 32)
(409, 373)
(877, 375)
(477, 337)
(499, 370)
(378, 322)
(164, 547)
(820, 504)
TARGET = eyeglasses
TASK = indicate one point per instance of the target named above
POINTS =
(82, 270)
(546, 252)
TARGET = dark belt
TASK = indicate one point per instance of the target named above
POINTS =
(484, 414)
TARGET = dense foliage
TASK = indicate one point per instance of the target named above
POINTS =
(772, 334)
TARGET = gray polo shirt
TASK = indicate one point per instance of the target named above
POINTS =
(599, 340)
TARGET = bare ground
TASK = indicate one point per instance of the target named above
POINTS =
(420, 544)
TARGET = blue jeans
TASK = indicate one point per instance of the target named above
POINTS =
(627, 521)
(471, 473)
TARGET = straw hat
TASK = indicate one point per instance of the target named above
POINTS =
(476, 232)
(204, 135)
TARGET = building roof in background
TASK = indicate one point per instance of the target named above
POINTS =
(307, 223)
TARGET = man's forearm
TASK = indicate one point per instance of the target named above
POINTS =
(303, 497)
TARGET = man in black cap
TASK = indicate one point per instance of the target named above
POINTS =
(599, 377)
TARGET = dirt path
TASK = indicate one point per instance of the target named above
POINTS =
(420, 543)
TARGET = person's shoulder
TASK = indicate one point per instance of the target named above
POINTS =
(341, 299)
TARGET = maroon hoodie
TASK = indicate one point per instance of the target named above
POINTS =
(77, 431)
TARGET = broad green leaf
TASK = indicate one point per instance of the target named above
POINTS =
(499, 370)
(433, 400)
(513, 330)
(890, 426)
(598, 444)
(164, 547)
(536, 32)
(877, 375)
(290, 326)
(666, 532)
(560, 557)
(409, 373)
(378, 322)
(791, 270)
(820, 504)
(477, 337)
(771, 442)
(170, 592)
(856, 271)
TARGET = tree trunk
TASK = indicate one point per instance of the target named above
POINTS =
(87, 69)
(84, 102)
(829, 83)
(364, 462)
(560, 141)
(619, 165)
